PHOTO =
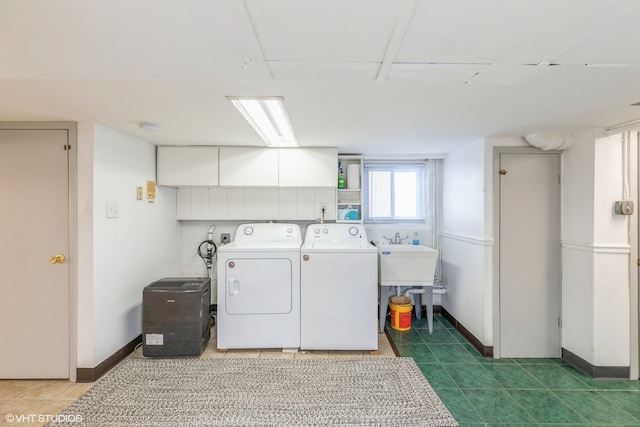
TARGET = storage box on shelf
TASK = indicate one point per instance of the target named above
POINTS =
(349, 192)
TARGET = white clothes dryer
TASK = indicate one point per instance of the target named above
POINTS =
(259, 287)
(339, 289)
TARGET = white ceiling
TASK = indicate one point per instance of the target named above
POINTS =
(367, 76)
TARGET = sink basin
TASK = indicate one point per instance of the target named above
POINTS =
(405, 265)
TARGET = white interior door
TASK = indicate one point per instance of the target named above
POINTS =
(529, 255)
(34, 226)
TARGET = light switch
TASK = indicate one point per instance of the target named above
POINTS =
(138, 193)
(113, 211)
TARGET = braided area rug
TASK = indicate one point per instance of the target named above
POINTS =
(261, 392)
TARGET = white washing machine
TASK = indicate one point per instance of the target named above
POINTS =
(259, 287)
(339, 289)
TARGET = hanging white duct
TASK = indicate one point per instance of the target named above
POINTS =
(551, 141)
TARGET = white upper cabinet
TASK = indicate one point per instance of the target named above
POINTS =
(308, 167)
(187, 166)
(248, 167)
(200, 166)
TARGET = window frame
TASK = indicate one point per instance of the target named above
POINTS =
(421, 188)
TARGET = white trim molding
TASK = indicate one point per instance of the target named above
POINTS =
(468, 239)
(597, 248)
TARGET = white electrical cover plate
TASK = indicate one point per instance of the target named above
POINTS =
(113, 211)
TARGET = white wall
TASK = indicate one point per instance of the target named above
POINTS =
(463, 241)
(84, 206)
(596, 247)
(611, 269)
(577, 187)
(141, 245)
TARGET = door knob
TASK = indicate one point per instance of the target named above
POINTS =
(57, 259)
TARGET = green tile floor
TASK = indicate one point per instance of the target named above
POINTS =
(513, 392)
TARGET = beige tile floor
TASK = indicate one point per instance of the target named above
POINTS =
(30, 402)
(211, 352)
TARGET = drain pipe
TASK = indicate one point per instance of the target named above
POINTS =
(410, 292)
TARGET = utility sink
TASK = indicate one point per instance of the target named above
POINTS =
(406, 265)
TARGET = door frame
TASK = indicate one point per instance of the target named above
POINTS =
(634, 258)
(72, 141)
(495, 302)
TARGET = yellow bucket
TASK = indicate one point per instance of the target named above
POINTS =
(400, 307)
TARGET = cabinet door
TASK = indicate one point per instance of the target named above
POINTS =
(248, 167)
(187, 166)
(308, 167)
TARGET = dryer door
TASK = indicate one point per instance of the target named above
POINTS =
(258, 286)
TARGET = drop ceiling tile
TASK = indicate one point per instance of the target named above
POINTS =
(496, 31)
(330, 30)
(119, 39)
(614, 41)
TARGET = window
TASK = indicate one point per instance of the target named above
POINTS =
(394, 192)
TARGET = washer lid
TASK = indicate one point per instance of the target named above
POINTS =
(338, 245)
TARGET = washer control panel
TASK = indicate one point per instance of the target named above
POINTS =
(268, 232)
(336, 231)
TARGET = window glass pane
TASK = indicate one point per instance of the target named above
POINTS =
(405, 192)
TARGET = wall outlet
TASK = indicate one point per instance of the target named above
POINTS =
(624, 207)
(225, 238)
(139, 193)
(113, 210)
(323, 206)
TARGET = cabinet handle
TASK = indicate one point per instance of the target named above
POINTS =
(234, 286)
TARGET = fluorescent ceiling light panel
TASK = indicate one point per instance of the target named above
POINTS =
(269, 118)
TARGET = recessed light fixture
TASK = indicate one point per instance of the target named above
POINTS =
(269, 118)
(149, 127)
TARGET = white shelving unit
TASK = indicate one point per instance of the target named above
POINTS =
(349, 199)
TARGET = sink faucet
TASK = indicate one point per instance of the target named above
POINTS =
(397, 240)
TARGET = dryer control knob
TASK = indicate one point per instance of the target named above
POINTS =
(289, 230)
(317, 231)
(305, 257)
(248, 231)
(353, 231)
(325, 230)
